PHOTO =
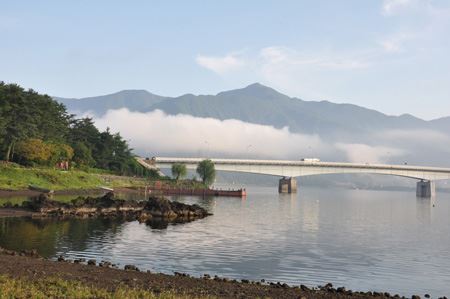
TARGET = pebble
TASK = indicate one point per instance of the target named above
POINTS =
(131, 268)
(91, 262)
(304, 288)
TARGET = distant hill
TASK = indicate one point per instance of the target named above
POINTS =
(260, 104)
(441, 123)
(136, 100)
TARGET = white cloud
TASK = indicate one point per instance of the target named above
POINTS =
(390, 45)
(307, 74)
(416, 138)
(395, 43)
(391, 7)
(185, 135)
(289, 56)
(371, 154)
(221, 64)
(193, 136)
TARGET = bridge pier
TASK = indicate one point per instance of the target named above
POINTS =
(287, 185)
(426, 189)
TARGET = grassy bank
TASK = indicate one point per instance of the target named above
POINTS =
(15, 177)
(59, 288)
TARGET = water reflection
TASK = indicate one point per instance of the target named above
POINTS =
(425, 208)
(365, 240)
(50, 236)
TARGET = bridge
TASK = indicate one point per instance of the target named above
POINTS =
(289, 170)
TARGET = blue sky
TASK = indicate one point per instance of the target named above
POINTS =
(390, 55)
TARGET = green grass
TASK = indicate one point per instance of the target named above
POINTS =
(58, 288)
(14, 177)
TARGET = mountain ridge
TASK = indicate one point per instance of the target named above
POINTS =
(260, 104)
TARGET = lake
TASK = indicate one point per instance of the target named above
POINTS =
(363, 240)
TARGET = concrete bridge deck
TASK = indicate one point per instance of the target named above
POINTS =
(291, 169)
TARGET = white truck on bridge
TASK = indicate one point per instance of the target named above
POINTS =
(310, 160)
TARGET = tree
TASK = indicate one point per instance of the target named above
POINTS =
(34, 128)
(82, 155)
(179, 170)
(29, 115)
(33, 151)
(206, 171)
(60, 152)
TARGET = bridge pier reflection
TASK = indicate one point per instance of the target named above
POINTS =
(287, 185)
(426, 189)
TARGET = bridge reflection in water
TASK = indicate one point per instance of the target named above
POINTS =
(289, 170)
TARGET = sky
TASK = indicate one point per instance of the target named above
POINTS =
(389, 55)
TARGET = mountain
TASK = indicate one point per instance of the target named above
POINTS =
(136, 100)
(442, 124)
(260, 104)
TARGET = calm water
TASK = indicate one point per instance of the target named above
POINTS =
(364, 240)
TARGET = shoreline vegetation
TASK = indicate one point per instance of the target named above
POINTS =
(26, 275)
(15, 180)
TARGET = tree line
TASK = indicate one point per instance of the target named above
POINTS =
(37, 130)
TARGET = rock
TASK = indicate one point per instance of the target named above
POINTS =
(131, 268)
(43, 204)
(30, 253)
(427, 296)
(92, 262)
(105, 264)
(157, 211)
(61, 259)
(415, 297)
(159, 207)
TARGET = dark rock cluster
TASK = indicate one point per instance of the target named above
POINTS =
(162, 208)
(29, 253)
(156, 211)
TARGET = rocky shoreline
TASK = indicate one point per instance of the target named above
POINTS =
(29, 265)
(155, 209)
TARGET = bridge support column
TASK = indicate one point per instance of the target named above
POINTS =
(287, 185)
(426, 189)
